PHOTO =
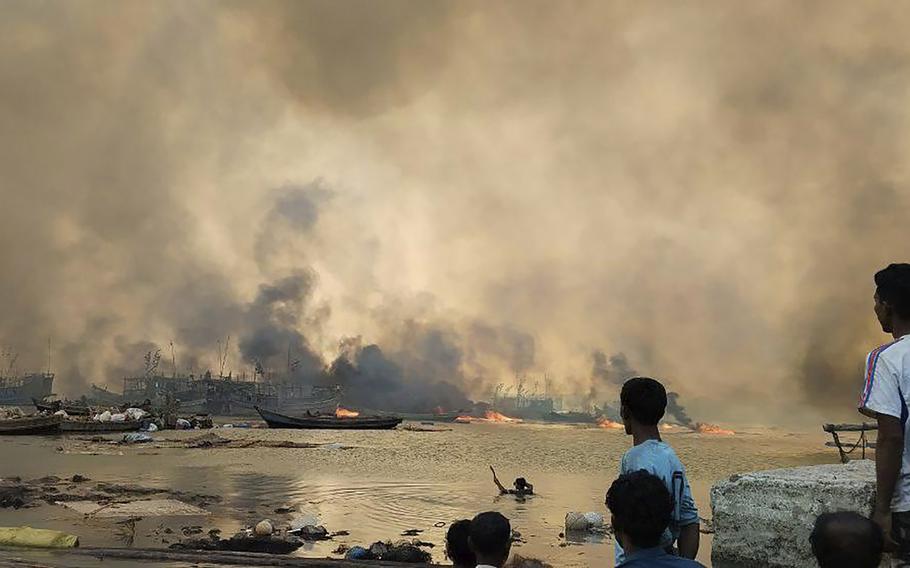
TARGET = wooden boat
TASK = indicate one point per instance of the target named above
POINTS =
(72, 408)
(328, 422)
(31, 425)
(91, 426)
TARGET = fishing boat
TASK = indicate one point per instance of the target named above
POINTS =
(71, 408)
(18, 391)
(31, 425)
(328, 421)
(93, 427)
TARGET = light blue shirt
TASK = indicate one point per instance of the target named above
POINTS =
(656, 558)
(659, 459)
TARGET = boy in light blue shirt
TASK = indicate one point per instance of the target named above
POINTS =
(643, 402)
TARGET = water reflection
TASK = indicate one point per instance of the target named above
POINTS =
(379, 484)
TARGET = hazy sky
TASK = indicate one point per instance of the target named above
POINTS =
(705, 187)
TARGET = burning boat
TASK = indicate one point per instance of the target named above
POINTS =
(341, 419)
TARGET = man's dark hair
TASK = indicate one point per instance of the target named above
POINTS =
(491, 534)
(641, 507)
(846, 540)
(893, 288)
(645, 398)
(457, 547)
(521, 483)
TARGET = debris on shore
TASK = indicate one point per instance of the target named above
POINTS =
(211, 440)
(402, 551)
(263, 537)
(18, 494)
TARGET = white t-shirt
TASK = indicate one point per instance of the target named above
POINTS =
(887, 391)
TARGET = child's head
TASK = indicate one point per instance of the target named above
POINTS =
(643, 400)
(457, 547)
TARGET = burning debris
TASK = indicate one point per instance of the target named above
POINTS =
(608, 424)
(345, 413)
(714, 429)
(489, 416)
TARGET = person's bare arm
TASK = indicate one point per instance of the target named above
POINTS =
(496, 481)
(688, 541)
(889, 450)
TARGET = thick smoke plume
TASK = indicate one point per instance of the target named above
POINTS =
(705, 187)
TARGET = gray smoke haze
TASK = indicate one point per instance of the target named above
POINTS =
(706, 188)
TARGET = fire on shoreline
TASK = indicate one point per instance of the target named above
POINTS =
(714, 429)
(345, 413)
(494, 416)
(609, 424)
(489, 416)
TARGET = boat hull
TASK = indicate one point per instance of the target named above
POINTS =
(275, 420)
(31, 425)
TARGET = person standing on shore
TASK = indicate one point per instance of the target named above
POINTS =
(643, 402)
(884, 397)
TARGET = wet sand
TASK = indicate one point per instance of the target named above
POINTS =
(378, 484)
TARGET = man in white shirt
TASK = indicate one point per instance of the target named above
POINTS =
(490, 539)
(885, 397)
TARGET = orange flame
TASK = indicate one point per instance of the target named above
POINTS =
(609, 424)
(714, 429)
(494, 416)
(345, 413)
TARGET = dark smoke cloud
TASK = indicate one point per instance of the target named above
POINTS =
(272, 339)
(613, 372)
(678, 411)
(372, 379)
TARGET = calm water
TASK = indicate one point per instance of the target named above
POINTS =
(378, 484)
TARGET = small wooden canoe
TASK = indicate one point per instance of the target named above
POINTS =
(73, 409)
(31, 425)
(90, 426)
(329, 422)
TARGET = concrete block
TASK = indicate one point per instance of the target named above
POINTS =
(764, 519)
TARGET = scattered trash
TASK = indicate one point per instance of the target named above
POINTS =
(136, 438)
(284, 510)
(243, 541)
(151, 427)
(145, 508)
(358, 553)
(103, 417)
(304, 520)
(339, 533)
(411, 532)
(36, 538)
(183, 424)
(135, 414)
(263, 528)
(62, 413)
(79, 478)
(10, 412)
(584, 522)
(311, 532)
(403, 551)
(190, 531)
